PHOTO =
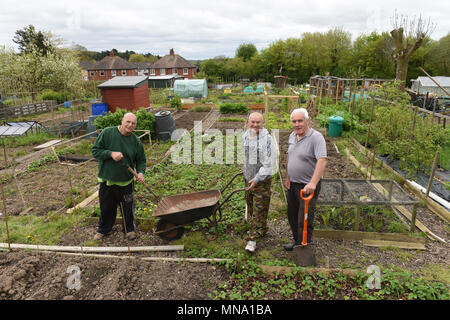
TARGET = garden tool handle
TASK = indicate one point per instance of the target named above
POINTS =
(145, 185)
(305, 219)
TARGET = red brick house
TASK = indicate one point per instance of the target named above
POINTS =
(172, 64)
(110, 67)
(130, 93)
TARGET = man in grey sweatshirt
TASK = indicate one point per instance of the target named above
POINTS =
(259, 160)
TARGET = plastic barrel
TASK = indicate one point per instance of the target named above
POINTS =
(335, 126)
(67, 104)
(99, 109)
(164, 125)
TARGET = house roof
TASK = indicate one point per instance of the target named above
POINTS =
(143, 65)
(166, 77)
(427, 82)
(85, 65)
(112, 62)
(172, 60)
(124, 82)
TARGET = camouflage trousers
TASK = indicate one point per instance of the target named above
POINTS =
(258, 202)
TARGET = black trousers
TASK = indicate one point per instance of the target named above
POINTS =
(296, 211)
(110, 199)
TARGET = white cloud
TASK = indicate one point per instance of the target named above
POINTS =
(204, 29)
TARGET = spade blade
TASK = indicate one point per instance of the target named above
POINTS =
(304, 256)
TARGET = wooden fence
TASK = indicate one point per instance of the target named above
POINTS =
(7, 112)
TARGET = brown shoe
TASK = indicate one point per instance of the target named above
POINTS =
(99, 236)
(131, 235)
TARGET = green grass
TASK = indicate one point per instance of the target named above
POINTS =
(29, 139)
(45, 230)
(231, 119)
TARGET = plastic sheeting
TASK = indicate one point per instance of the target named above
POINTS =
(197, 88)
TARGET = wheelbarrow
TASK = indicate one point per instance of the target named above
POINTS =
(175, 212)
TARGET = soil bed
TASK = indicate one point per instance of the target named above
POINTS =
(34, 275)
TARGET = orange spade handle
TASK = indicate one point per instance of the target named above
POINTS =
(305, 219)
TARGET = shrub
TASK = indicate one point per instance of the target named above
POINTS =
(49, 94)
(175, 102)
(201, 108)
(146, 120)
(233, 108)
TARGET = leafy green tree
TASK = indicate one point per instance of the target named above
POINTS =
(246, 51)
(32, 72)
(438, 56)
(29, 39)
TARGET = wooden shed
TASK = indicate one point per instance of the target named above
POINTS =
(130, 93)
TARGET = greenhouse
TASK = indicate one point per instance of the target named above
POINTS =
(197, 88)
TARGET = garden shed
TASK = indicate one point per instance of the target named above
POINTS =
(422, 85)
(197, 88)
(162, 82)
(130, 93)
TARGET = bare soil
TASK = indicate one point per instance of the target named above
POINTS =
(39, 275)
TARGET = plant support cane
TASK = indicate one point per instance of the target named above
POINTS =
(303, 254)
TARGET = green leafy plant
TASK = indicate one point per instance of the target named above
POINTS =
(225, 108)
(175, 102)
(145, 120)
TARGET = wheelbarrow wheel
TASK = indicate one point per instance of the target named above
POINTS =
(170, 235)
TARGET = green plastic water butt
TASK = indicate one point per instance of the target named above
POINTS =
(335, 126)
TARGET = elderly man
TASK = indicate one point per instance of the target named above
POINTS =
(305, 166)
(259, 156)
(115, 149)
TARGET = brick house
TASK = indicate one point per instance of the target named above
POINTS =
(110, 67)
(173, 64)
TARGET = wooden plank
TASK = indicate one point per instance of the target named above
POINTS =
(164, 259)
(284, 270)
(361, 235)
(47, 144)
(84, 203)
(92, 249)
(395, 244)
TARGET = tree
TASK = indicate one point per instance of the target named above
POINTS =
(31, 72)
(29, 40)
(246, 51)
(438, 57)
(408, 35)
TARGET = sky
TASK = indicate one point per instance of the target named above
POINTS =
(203, 29)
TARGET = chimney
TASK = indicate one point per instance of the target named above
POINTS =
(111, 53)
(171, 52)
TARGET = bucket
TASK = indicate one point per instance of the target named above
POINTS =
(335, 126)
(99, 109)
(164, 125)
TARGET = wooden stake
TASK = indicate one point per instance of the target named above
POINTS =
(125, 228)
(4, 152)
(433, 170)
(370, 124)
(6, 217)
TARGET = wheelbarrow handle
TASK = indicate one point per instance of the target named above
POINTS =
(232, 179)
(229, 196)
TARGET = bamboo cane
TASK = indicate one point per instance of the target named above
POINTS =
(6, 217)
(433, 171)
